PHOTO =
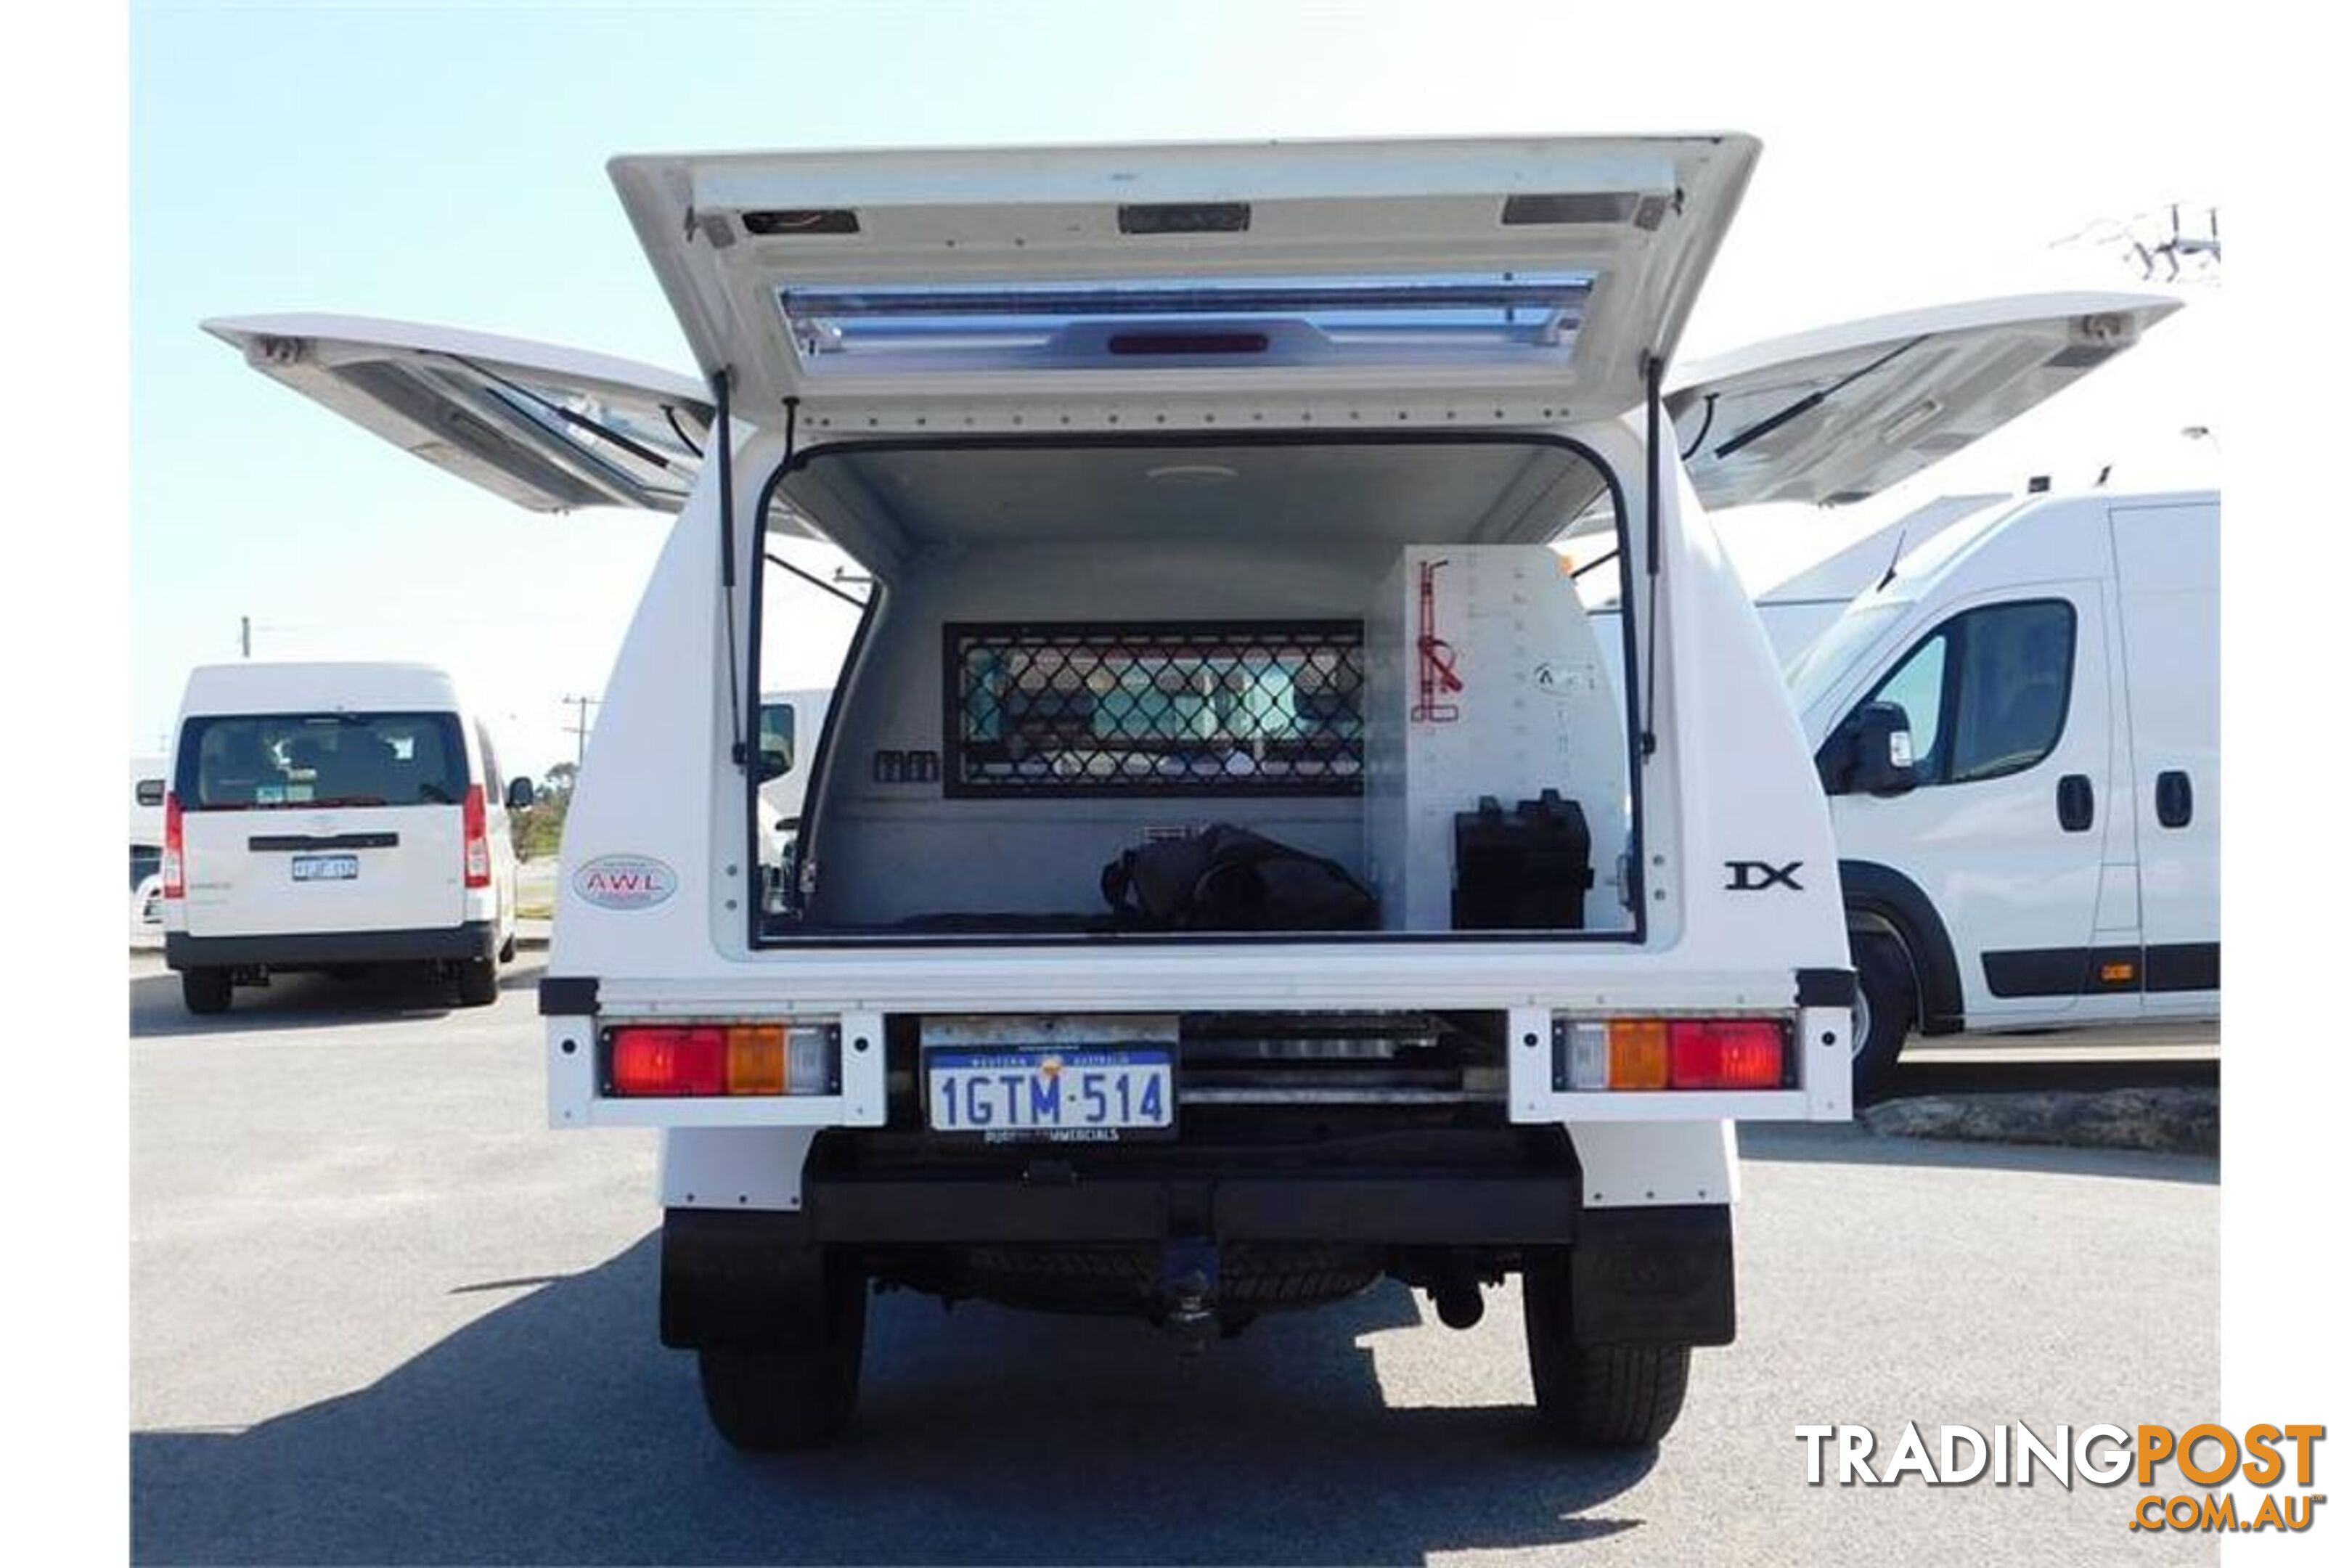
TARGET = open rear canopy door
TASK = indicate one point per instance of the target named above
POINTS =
(549, 428)
(1472, 282)
(1840, 413)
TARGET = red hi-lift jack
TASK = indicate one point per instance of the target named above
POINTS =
(1437, 657)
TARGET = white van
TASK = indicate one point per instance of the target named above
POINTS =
(789, 722)
(147, 788)
(2019, 732)
(1229, 874)
(330, 816)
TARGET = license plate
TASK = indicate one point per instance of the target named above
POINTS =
(1085, 1094)
(326, 867)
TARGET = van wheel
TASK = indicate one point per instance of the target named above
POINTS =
(507, 950)
(1884, 1005)
(477, 982)
(204, 990)
(799, 1395)
(1595, 1396)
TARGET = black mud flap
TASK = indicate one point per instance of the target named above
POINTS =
(1653, 1276)
(740, 1281)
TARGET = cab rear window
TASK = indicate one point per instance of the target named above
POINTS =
(260, 762)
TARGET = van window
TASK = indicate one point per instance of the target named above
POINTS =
(1986, 691)
(262, 762)
(2017, 670)
(1918, 687)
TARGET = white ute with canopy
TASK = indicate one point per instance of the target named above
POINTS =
(1231, 872)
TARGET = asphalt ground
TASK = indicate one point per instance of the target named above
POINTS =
(379, 1313)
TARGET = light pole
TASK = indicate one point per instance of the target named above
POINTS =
(579, 727)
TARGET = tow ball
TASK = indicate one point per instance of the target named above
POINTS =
(1188, 1281)
(1460, 1302)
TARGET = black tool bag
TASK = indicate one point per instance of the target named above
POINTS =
(1521, 870)
(1226, 877)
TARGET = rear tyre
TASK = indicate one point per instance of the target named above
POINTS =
(1595, 1396)
(477, 982)
(800, 1396)
(1885, 1006)
(204, 990)
(507, 950)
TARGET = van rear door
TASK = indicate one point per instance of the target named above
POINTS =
(546, 427)
(322, 822)
(2168, 575)
(1838, 414)
(961, 290)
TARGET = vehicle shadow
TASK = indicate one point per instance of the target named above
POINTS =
(557, 1430)
(2083, 1074)
(1795, 1143)
(310, 1001)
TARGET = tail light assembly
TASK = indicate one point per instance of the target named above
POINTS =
(478, 838)
(672, 1062)
(175, 850)
(1671, 1054)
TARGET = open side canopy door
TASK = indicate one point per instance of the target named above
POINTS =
(548, 428)
(1469, 282)
(1838, 414)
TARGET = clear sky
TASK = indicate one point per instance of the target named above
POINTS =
(445, 164)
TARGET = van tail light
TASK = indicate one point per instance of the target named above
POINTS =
(478, 838)
(674, 1061)
(1672, 1053)
(176, 875)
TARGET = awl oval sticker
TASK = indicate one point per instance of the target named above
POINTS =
(625, 881)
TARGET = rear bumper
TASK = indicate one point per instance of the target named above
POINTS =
(1653, 1275)
(318, 950)
(1529, 1209)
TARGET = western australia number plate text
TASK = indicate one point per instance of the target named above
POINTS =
(1061, 1095)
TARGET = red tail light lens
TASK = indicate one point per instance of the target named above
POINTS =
(478, 838)
(176, 875)
(1726, 1052)
(669, 1062)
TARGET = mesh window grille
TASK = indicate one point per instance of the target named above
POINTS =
(1226, 708)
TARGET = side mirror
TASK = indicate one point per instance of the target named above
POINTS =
(773, 764)
(519, 794)
(1870, 753)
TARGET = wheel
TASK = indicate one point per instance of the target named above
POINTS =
(477, 982)
(1595, 1396)
(507, 950)
(800, 1396)
(1885, 1002)
(204, 990)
